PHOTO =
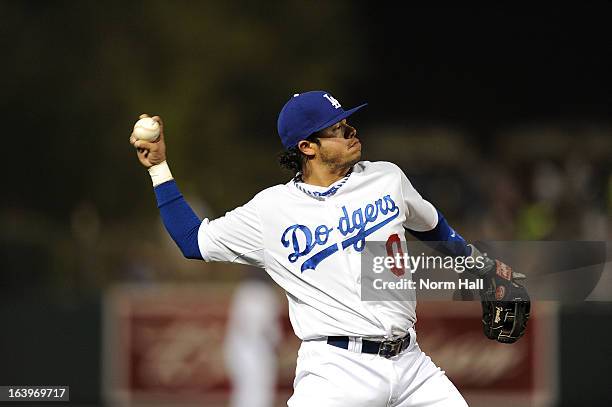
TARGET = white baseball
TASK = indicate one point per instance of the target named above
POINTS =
(146, 129)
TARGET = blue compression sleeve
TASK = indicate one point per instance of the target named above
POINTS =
(180, 220)
(444, 239)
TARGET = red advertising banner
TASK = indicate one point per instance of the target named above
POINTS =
(164, 346)
(485, 371)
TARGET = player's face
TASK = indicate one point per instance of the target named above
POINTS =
(339, 145)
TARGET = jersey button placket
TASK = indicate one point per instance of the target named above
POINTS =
(332, 210)
(336, 206)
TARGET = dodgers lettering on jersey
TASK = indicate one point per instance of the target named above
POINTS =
(311, 247)
(300, 237)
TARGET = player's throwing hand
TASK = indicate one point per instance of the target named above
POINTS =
(150, 153)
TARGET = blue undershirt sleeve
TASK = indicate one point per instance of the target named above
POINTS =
(180, 220)
(443, 239)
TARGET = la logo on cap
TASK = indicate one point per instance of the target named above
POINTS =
(306, 113)
(333, 101)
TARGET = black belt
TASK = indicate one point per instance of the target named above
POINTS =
(386, 349)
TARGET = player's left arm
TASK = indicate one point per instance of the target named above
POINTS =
(427, 224)
(442, 237)
(505, 303)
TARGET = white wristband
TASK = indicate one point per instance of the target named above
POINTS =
(160, 173)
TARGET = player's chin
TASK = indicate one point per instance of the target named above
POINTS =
(355, 157)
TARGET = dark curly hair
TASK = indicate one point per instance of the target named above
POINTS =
(293, 159)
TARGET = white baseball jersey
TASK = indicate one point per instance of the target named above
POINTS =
(311, 247)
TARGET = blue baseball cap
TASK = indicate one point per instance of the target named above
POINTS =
(307, 113)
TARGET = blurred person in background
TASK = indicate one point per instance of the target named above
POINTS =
(251, 339)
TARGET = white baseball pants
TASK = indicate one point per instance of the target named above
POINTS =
(327, 376)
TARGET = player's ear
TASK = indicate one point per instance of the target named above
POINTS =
(307, 147)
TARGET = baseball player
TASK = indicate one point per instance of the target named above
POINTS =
(252, 335)
(308, 235)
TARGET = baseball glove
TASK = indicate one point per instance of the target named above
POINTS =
(505, 303)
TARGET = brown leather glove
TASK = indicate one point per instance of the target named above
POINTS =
(505, 303)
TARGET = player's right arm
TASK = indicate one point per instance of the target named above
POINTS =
(180, 220)
(235, 237)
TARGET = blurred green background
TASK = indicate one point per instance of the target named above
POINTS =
(499, 116)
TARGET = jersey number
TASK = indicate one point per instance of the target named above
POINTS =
(395, 241)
